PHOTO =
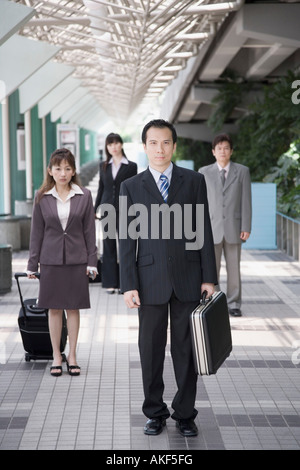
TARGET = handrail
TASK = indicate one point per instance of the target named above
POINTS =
(288, 235)
(287, 217)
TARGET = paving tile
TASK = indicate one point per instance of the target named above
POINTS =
(253, 402)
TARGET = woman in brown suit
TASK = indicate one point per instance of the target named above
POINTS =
(63, 245)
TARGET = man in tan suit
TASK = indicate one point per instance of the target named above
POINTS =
(229, 197)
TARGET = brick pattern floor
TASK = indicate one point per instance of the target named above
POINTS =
(253, 402)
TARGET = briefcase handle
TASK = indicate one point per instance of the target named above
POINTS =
(203, 299)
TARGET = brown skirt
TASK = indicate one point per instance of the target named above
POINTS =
(64, 287)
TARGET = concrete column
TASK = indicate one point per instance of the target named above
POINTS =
(5, 269)
(28, 155)
(44, 145)
(6, 157)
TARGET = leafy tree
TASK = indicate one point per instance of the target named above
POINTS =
(264, 141)
(269, 126)
(232, 89)
(199, 152)
(287, 177)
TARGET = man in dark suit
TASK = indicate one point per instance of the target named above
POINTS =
(166, 272)
(230, 210)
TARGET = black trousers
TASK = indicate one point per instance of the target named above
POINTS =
(153, 326)
(110, 265)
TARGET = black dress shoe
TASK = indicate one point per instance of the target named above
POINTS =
(235, 312)
(187, 427)
(111, 290)
(154, 426)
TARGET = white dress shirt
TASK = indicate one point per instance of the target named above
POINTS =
(63, 207)
(226, 168)
(115, 168)
(156, 174)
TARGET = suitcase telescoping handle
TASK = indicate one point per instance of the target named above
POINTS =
(17, 275)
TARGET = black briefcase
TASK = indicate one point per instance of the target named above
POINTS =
(211, 333)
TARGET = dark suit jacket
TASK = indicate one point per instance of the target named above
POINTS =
(50, 244)
(156, 267)
(109, 188)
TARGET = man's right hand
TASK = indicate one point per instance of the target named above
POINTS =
(132, 299)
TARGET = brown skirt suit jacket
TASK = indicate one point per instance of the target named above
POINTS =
(63, 255)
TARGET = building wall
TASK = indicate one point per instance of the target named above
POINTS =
(37, 149)
(17, 177)
(1, 166)
(87, 145)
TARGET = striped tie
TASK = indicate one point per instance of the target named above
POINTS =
(223, 173)
(164, 187)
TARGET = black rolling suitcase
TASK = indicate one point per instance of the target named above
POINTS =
(33, 326)
(211, 334)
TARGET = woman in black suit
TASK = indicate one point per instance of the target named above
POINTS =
(113, 171)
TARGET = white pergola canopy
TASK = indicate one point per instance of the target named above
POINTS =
(124, 53)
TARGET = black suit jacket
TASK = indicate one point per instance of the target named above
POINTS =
(109, 188)
(156, 266)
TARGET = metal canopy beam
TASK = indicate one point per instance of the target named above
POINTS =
(227, 47)
(41, 83)
(13, 16)
(72, 114)
(130, 39)
(67, 103)
(258, 43)
(201, 132)
(254, 21)
(20, 58)
(54, 97)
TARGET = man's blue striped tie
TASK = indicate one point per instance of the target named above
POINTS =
(164, 187)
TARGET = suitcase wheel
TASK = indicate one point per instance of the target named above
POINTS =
(28, 357)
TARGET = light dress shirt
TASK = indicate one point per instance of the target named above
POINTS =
(226, 168)
(115, 168)
(63, 207)
(156, 174)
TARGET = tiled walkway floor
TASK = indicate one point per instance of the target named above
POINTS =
(253, 402)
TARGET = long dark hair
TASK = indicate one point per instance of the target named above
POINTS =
(110, 139)
(55, 159)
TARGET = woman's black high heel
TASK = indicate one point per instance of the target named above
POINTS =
(72, 368)
(56, 374)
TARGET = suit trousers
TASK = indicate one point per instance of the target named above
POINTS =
(232, 255)
(110, 265)
(153, 326)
